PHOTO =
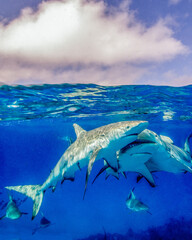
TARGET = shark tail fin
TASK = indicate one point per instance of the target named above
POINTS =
(32, 191)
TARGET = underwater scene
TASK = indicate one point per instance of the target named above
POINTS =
(88, 162)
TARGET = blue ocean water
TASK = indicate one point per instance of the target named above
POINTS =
(36, 124)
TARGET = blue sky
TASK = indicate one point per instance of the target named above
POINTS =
(103, 42)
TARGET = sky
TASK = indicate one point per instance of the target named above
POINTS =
(106, 42)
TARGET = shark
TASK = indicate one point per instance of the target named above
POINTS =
(131, 161)
(132, 158)
(100, 143)
(134, 204)
(151, 153)
(165, 155)
(12, 210)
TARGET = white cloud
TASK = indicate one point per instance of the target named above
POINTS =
(71, 33)
(172, 77)
(176, 79)
(115, 75)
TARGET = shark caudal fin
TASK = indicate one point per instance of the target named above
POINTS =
(32, 191)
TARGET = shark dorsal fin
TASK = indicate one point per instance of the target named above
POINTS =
(10, 197)
(78, 130)
(186, 145)
(131, 194)
(166, 139)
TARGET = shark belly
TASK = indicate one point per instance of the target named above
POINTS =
(162, 160)
(109, 152)
(135, 157)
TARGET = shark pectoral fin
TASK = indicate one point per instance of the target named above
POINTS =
(106, 167)
(112, 162)
(99, 173)
(68, 176)
(111, 172)
(72, 179)
(147, 175)
(90, 166)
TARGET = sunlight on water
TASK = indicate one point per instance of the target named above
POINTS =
(79, 101)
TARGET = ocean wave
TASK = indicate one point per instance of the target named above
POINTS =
(88, 100)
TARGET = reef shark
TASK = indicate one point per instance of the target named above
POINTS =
(102, 142)
(132, 158)
(165, 155)
(134, 204)
(151, 153)
(12, 211)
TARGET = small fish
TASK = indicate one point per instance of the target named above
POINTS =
(134, 204)
(12, 210)
(44, 223)
(18, 202)
(67, 139)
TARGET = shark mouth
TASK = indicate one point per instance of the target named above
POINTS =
(134, 144)
(130, 135)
